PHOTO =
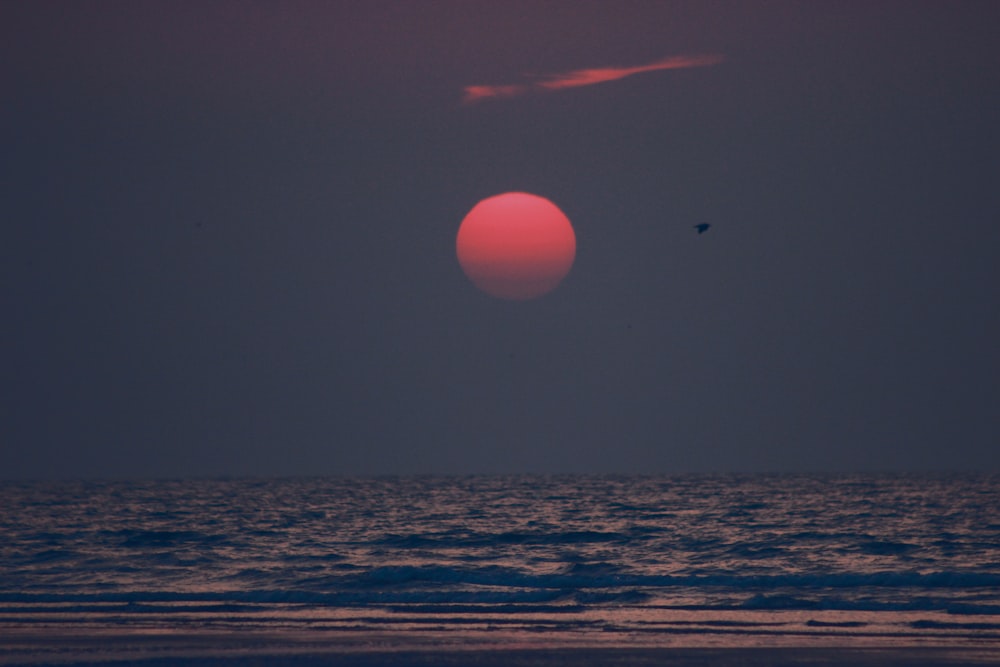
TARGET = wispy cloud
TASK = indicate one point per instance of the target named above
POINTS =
(585, 77)
(477, 93)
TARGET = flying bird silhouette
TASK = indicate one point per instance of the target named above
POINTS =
(702, 227)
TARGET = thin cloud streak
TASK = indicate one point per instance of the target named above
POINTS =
(477, 93)
(585, 77)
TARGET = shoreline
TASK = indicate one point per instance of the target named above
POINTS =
(537, 657)
(159, 648)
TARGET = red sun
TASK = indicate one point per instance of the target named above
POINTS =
(516, 245)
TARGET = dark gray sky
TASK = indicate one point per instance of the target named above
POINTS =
(228, 238)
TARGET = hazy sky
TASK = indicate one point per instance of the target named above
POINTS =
(229, 227)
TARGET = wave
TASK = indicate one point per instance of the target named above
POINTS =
(140, 539)
(583, 583)
(941, 625)
(572, 576)
(833, 603)
(603, 575)
(521, 601)
(340, 599)
(450, 539)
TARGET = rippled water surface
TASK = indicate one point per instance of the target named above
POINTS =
(676, 560)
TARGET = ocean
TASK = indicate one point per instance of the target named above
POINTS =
(513, 570)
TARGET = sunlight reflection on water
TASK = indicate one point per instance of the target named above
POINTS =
(661, 561)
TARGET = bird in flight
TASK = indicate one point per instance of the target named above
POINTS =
(702, 227)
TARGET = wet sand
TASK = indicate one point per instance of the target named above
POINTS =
(763, 657)
(149, 649)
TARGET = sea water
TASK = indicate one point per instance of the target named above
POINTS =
(720, 560)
